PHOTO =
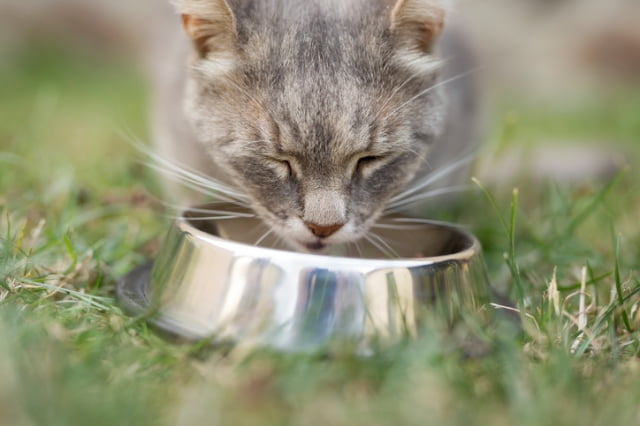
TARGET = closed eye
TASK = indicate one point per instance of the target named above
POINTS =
(283, 166)
(366, 162)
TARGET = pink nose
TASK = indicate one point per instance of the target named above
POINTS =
(324, 231)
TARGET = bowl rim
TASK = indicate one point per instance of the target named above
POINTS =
(472, 248)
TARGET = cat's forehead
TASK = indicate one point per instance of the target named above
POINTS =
(322, 79)
(327, 134)
(325, 80)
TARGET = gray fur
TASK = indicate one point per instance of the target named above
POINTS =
(314, 113)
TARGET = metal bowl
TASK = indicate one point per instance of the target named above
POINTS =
(210, 282)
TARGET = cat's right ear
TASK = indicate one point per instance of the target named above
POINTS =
(210, 24)
(418, 23)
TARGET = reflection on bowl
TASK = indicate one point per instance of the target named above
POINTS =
(210, 282)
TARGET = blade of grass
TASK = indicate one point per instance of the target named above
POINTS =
(591, 281)
(510, 230)
(95, 301)
(492, 201)
(606, 315)
(72, 253)
(18, 244)
(513, 264)
(595, 201)
(618, 281)
(613, 337)
(553, 296)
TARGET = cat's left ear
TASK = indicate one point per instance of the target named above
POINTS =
(210, 24)
(418, 23)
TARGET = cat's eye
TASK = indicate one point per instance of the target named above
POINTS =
(368, 161)
(284, 166)
(287, 164)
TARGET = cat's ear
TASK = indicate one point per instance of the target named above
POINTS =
(418, 23)
(210, 24)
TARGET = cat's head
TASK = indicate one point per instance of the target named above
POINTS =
(319, 111)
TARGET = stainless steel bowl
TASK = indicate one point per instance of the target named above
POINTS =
(209, 282)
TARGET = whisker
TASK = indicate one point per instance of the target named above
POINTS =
(263, 237)
(400, 87)
(374, 244)
(415, 220)
(358, 248)
(207, 210)
(204, 218)
(222, 212)
(377, 245)
(184, 174)
(394, 227)
(278, 243)
(207, 214)
(384, 243)
(201, 188)
(421, 155)
(432, 177)
(433, 87)
(175, 170)
(179, 210)
(349, 249)
(394, 207)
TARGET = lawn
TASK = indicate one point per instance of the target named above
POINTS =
(78, 210)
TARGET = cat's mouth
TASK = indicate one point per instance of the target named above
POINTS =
(315, 246)
(318, 246)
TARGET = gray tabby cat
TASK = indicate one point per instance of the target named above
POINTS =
(320, 114)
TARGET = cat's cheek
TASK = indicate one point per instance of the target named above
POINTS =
(385, 182)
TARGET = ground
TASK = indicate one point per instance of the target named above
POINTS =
(78, 210)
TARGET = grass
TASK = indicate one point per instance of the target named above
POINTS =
(75, 216)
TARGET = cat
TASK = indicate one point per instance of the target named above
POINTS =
(321, 115)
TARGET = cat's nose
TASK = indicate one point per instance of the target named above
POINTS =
(323, 231)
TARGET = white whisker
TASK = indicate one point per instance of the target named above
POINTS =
(358, 248)
(421, 155)
(218, 217)
(180, 210)
(397, 89)
(432, 177)
(187, 176)
(415, 220)
(222, 212)
(279, 243)
(263, 237)
(395, 227)
(206, 213)
(384, 243)
(209, 193)
(173, 169)
(433, 87)
(205, 210)
(201, 187)
(375, 244)
(405, 203)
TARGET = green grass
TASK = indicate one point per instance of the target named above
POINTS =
(74, 217)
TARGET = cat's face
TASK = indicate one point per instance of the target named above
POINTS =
(317, 120)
